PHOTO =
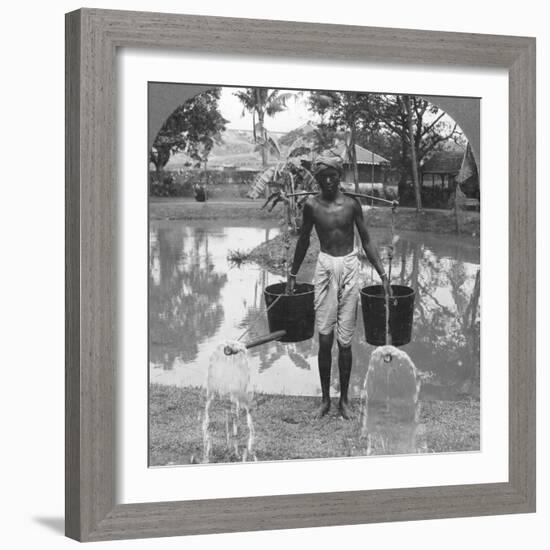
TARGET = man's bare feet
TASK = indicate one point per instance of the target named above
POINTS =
(323, 409)
(345, 410)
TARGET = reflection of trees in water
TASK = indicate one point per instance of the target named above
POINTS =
(445, 333)
(184, 295)
(297, 352)
(446, 317)
(445, 336)
(185, 308)
(256, 318)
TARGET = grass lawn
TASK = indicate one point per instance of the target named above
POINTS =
(286, 429)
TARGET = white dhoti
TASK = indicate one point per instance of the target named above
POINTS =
(337, 294)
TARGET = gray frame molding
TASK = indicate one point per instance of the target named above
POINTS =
(92, 37)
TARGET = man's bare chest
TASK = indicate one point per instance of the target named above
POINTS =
(333, 216)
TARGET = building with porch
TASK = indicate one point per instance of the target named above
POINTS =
(371, 167)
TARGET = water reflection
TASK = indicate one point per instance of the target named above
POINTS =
(446, 320)
(197, 300)
(184, 294)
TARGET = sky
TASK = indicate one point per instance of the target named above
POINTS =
(232, 109)
(293, 117)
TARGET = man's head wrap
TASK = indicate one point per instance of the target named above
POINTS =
(324, 162)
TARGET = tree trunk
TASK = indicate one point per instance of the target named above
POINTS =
(414, 162)
(158, 172)
(263, 149)
(352, 154)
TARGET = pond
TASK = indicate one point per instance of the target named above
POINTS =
(197, 300)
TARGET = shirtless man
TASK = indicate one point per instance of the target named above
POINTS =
(334, 216)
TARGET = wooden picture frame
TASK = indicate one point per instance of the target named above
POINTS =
(92, 39)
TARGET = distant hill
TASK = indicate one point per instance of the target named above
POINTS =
(237, 149)
(304, 131)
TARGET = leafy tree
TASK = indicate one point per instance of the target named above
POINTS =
(324, 137)
(420, 129)
(286, 178)
(193, 128)
(404, 129)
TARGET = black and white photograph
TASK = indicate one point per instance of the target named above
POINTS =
(314, 274)
(271, 271)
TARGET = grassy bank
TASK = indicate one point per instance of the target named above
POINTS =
(435, 221)
(441, 222)
(186, 210)
(270, 255)
(285, 428)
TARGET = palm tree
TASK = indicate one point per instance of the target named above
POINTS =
(261, 102)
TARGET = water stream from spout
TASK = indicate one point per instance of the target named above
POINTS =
(389, 403)
(229, 379)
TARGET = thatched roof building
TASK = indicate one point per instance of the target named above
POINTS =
(443, 163)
